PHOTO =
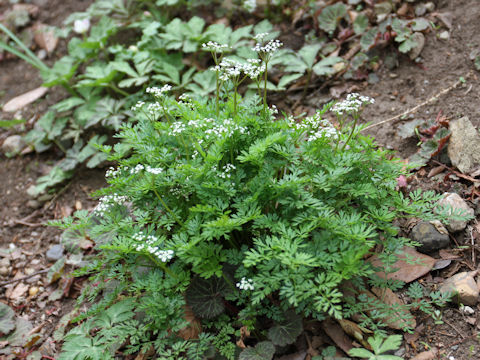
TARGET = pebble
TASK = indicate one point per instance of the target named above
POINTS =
(464, 286)
(457, 204)
(464, 145)
(55, 252)
(431, 236)
(5, 262)
(13, 144)
(419, 39)
(4, 271)
(444, 35)
(33, 291)
(467, 310)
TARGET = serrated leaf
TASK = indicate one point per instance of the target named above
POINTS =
(117, 313)
(330, 17)
(308, 53)
(287, 79)
(325, 66)
(286, 331)
(68, 104)
(205, 296)
(420, 24)
(392, 342)
(361, 353)
(262, 351)
(7, 319)
(368, 39)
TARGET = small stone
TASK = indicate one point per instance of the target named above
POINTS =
(13, 145)
(5, 262)
(55, 252)
(419, 39)
(42, 54)
(464, 286)
(444, 35)
(428, 235)
(4, 271)
(29, 271)
(430, 6)
(33, 291)
(34, 204)
(420, 10)
(457, 204)
(467, 310)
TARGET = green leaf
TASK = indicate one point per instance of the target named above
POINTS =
(309, 53)
(262, 351)
(287, 79)
(286, 331)
(124, 67)
(324, 66)
(11, 123)
(368, 39)
(407, 45)
(360, 24)
(477, 62)
(392, 342)
(420, 24)
(7, 319)
(330, 17)
(361, 353)
(205, 296)
(68, 104)
(115, 314)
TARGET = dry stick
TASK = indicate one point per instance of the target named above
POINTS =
(461, 340)
(454, 328)
(426, 102)
(23, 278)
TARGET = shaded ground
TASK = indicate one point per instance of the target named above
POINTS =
(400, 89)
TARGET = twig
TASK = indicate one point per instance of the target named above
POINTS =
(23, 278)
(454, 328)
(57, 195)
(21, 222)
(461, 340)
(426, 102)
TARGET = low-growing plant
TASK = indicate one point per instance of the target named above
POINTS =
(220, 216)
(380, 346)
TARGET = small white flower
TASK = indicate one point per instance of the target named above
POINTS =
(154, 171)
(250, 5)
(81, 26)
(352, 104)
(158, 92)
(245, 284)
(138, 105)
(268, 48)
(260, 37)
(215, 47)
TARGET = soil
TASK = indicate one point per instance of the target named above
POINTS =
(22, 220)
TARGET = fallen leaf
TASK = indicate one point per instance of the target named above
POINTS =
(336, 333)
(407, 272)
(426, 355)
(23, 100)
(441, 264)
(447, 255)
(354, 331)
(194, 326)
(45, 37)
(399, 319)
(19, 291)
(411, 338)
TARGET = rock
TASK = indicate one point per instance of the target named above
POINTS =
(467, 310)
(430, 237)
(4, 271)
(419, 39)
(464, 145)
(457, 204)
(45, 37)
(55, 252)
(420, 9)
(13, 144)
(444, 35)
(5, 262)
(464, 286)
(33, 291)
(430, 6)
(34, 204)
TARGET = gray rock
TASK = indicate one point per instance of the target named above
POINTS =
(464, 145)
(420, 10)
(430, 6)
(55, 252)
(430, 237)
(419, 39)
(457, 204)
(13, 144)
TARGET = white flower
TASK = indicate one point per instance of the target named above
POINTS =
(268, 48)
(154, 171)
(215, 47)
(260, 37)
(81, 26)
(138, 105)
(137, 169)
(245, 284)
(250, 5)
(108, 201)
(148, 244)
(158, 92)
(352, 104)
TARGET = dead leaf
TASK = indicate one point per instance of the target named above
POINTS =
(402, 317)
(446, 18)
(441, 264)
(194, 326)
(146, 355)
(411, 338)
(407, 272)
(19, 291)
(354, 331)
(336, 333)
(435, 171)
(447, 255)
(244, 333)
(439, 226)
(426, 355)
(23, 100)
(45, 37)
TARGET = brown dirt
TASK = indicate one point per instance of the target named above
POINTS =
(398, 90)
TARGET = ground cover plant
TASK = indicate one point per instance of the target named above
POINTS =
(221, 218)
(120, 46)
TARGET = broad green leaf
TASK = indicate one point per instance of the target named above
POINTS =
(68, 104)
(286, 331)
(287, 79)
(7, 319)
(115, 314)
(330, 17)
(368, 39)
(309, 53)
(420, 24)
(392, 342)
(360, 24)
(11, 123)
(205, 296)
(262, 351)
(124, 67)
(361, 353)
(324, 66)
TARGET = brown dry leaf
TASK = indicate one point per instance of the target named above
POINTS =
(403, 317)
(336, 333)
(146, 355)
(426, 355)
(45, 37)
(244, 333)
(407, 272)
(354, 331)
(194, 327)
(436, 170)
(23, 100)
(19, 291)
(411, 338)
(448, 255)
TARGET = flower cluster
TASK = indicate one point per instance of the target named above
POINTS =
(158, 92)
(178, 127)
(245, 284)
(352, 104)
(149, 246)
(260, 37)
(315, 127)
(138, 105)
(108, 201)
(269, 48)
(226, 171)
(227, 128)
(139, 167)
(215, 47)
(232, 69)
(81, 26)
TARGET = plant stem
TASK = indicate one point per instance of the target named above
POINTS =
(309, 78)
(355, 119)
(166, 206)
(265, 87)
(116, 89)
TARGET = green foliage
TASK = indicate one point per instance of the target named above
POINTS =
(330, 16)
(380, 346)
(262, 351)
(286, 332)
